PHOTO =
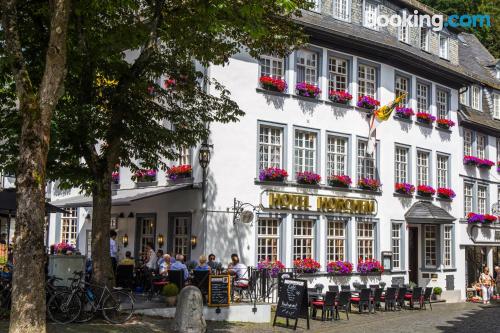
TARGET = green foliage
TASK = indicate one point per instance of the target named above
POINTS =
(488, 36)
(437, 290)
(170, 290)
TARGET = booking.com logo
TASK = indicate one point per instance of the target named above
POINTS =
(436, 22)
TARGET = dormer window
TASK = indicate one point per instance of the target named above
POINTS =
(443, 46)
(424, 39)
(403, 32)
(370, 13)
(476, 98)
(340, 9)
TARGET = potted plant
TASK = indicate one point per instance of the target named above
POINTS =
(370, 266)
(339, 267)
(307, 265)
(339, 181)
(488, 218)
(445, 123)
(475, 218)
(436, 292)
(308, 178)
(471, 160)
(445, 193)
(273, 174)
(272, 268)
(307, 90)
(63, 248)
(179, 172)
(272, 84)
(144, 176)
(115, 176)
(425, 190)
(404, 112)
(340, 97)
(404, 188)
(369, 184)
(485, 164)
(170, 291)
(425, 118)
(367, 102)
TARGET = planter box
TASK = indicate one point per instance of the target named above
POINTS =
(379, 274)
(63, 267)
(115, 186)
(146, 184)
(185, 180)
(364, 110)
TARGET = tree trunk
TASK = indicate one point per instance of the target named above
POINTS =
(101, 222)
(28, 281)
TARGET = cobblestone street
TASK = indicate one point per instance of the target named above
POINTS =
(446, 318)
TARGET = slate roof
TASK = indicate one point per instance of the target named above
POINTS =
(479, 120)
(426, 212)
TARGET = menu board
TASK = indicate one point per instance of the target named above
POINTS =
(292, 301)
(219, 290)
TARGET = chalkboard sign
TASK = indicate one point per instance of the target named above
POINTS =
(219, 290)
(282, 276)
(292, 301)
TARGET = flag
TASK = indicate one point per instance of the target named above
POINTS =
(381, 114)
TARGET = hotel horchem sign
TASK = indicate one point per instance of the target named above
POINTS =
(319, 203)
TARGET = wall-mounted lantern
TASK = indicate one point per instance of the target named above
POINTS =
(161, 240)
(125, 240)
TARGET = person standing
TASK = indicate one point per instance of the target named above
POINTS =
(486, 282)
(151, 259)
(113, 250)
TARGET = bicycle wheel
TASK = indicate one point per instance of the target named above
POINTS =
(118, 307)
(64, 307)
(87, 312)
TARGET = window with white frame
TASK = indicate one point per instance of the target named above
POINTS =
(69, 226)
(463, 98)
(305, 151)
(423, 97)
(403, 32)
(270, 147)
(447, 244)
(476, 97)
(468, 198)
(401, 164)
(268, 239)
(272, 66)
(481, 199)
(365, 163)
(317, 5)
(481, 146)
(496, 106)
(396, 246)
(336, 162)
(443, 46)
(442, 104)
(337, 74)
(467, 142)
(430, 245)
(442, 162)
(423, 158)
(303, 239)
(402, 86)
(335, 241)
(340, 9)
(184, 155)
(370, 14)
(366, 240)
(367, 81)
(424, 39)
(307, 67)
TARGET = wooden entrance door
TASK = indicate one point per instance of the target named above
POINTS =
(413, 254)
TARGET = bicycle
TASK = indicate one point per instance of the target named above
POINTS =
(116, 305)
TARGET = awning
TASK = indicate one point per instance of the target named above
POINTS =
(8, 203)
(424, 212)
(122, 197)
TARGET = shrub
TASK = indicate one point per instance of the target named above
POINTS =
(170, 290)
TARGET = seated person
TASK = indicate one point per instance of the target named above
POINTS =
(214, 265)
(239, 270)
(165, 264)
(128, 259)
(202, 266)
(159, 255)
(179, 266)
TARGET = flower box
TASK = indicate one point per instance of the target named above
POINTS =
(370, 267)
(340, 97)
(498, 166)
(272, 268)
(425, 190)
(445, 193)
(488, 218)
(340, 181)
(367, 102)
(480, 218)
(425, 118)
(404, 188)
(273, 175)
(146, 184)
(115, 177)
(369, 184)
(308, 178)
(404, 113)
(307, 90)
(144, 176)
(471, 160)
(62, 248)
(307, 265)
(339, 268)
(445, 123)
(180, 172)
(272, 84)
(485, 164)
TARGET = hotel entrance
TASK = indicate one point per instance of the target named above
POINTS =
(413, 254)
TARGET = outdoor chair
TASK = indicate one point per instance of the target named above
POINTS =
(125, 276)
(343, 304)
(200, 280)
(400, 299)
(427, 297)
(345, 287)
(334, 288)
(364, 299)
(377, 297)
(374, 286)
(389, 299)
(176, 277)
(312, 294)
(415, 297)
(327, 306)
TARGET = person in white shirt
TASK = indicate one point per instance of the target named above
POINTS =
(151, 259)
(239, 270)
(113, 250)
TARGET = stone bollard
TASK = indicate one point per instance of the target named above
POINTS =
(189, 311)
